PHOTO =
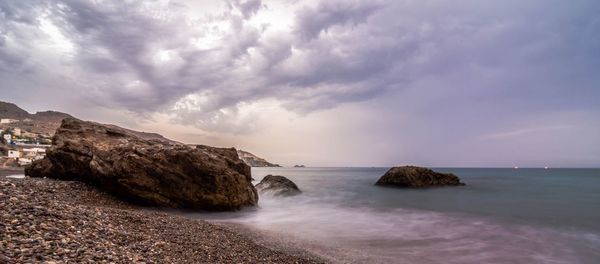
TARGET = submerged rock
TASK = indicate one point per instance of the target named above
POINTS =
(417, 177)
(277, 186)
(152, 171)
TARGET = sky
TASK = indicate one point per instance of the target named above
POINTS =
(465, 83)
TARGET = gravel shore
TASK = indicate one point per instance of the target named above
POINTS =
(10, 171)
(50, 221)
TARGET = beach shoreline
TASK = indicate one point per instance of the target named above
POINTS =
(7, 171)
(45, 220)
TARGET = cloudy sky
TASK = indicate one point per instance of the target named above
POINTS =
(322, 83)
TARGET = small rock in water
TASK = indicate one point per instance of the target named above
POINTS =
(276, 185)
(417, 177)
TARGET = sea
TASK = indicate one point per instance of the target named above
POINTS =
(502, 215)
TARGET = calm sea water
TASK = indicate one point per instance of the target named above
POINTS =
(501, 216)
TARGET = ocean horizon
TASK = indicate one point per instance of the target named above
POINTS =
(502, 215)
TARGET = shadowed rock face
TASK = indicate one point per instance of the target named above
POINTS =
(277, 186)
(148, 171)
(417, 177)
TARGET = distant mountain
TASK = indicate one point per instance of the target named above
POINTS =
(45, 122)
(12, 111)
(253, 160)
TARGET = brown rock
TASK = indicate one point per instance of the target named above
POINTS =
(417, 177)
(148, 171)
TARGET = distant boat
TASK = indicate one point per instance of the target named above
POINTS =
(516, 167)
(545, 168)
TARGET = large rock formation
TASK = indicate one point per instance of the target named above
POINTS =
(276, 185)
(417, 177)
(148, 171)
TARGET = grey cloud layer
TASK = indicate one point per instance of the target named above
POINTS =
(150, 57)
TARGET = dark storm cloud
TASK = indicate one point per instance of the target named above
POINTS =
(15, 15)
(146, 58)
(311, 21)
(117, 38)
(492, 51)
(123, 39)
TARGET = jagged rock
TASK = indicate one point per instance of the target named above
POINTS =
(417, 177)
(149, 171)
(276, 185)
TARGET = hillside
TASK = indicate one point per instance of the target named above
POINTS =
(45, 122)
(12, 111)
(253, 160)
(49, 116)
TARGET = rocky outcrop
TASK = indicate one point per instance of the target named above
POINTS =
(276, 185)
(417, 177)
(148, 171)
(253, 160)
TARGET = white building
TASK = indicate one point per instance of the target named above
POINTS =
(14, 154)
(8, 121)
(17, 132)
(35, 150)
(24, 162)
(8, 138)
(35, 153)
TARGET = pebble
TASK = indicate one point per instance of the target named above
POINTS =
(51, 221)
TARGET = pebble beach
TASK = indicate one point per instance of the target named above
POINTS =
(51, 221)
